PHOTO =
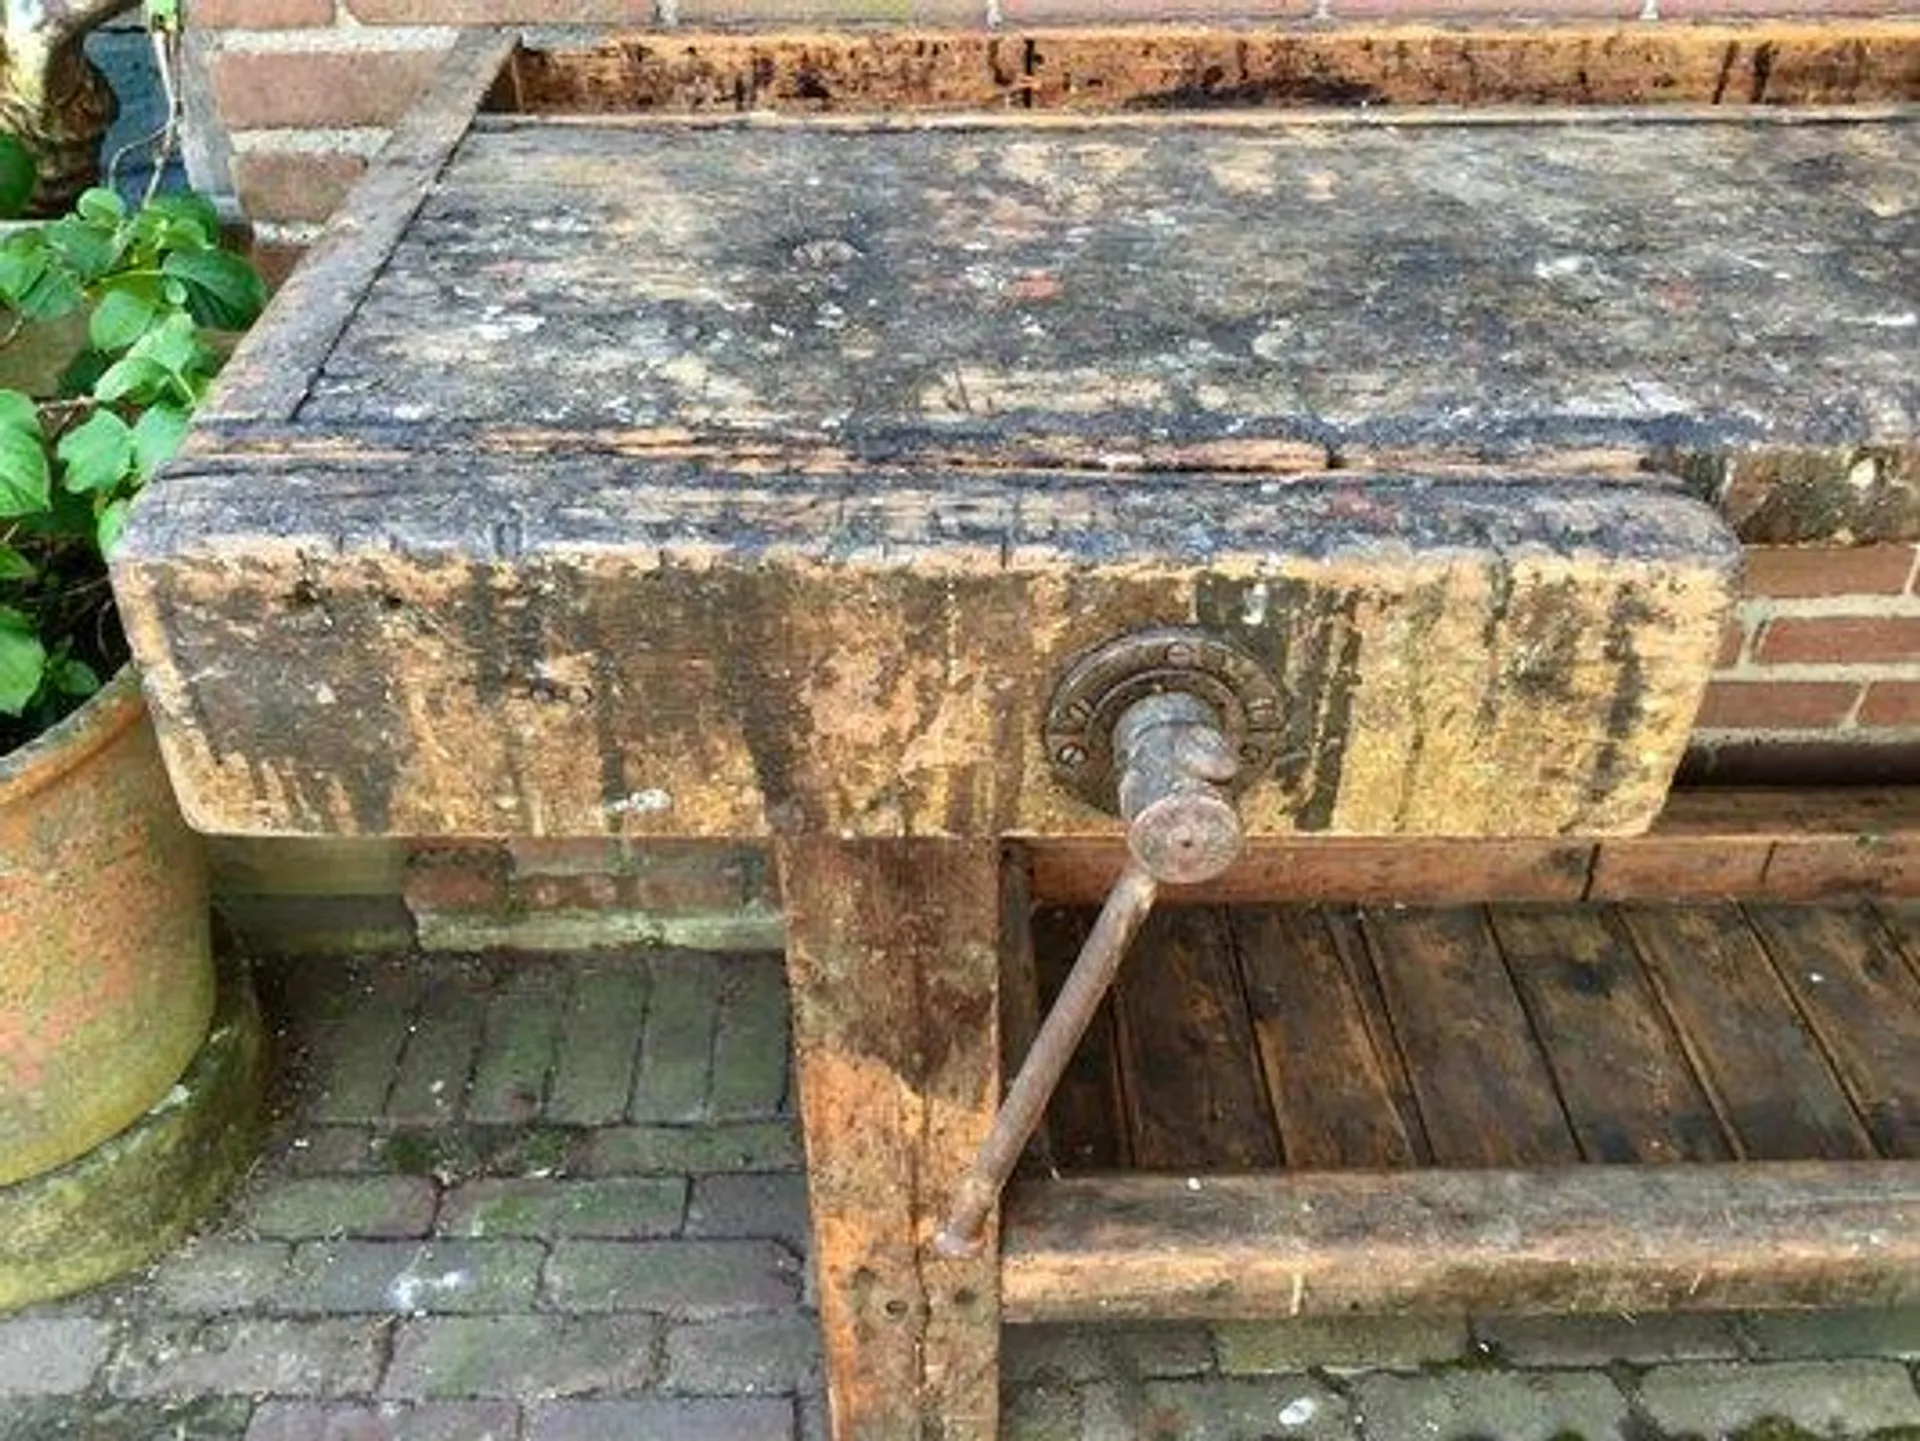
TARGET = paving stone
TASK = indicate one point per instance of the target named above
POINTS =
(522, 1357)
(751, 1203)
(593, 1072)
(676, 1049)
(1067, 1355)
(1512, 1406)
(776, 1351)
(678, 1277)
(355, 1057)
(96, 1418)
(451, 1154)
(1040, 1413)
(1790, 1335)
(329, 1151)
(1601, 1339)
(1826, 1397)
(741, 1146)
(333, 1357)
(1212, 1409)
(388, 1207)
(1374, 1342)
(50, 1356)
(684, 1419)
(408, 1277)
(751, 1045)
(218, 1274)
(613, 1207)
(524, 1024)
(435, 1421)
(430, 1080)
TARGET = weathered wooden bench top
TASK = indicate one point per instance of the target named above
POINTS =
(746, 478)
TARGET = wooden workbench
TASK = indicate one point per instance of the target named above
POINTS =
(760, 475)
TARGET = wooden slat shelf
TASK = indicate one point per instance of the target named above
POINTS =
(1335, 1038)
(1312, 1110)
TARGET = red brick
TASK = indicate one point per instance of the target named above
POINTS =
(1494, 9)
(830, 12)
(502, 12)
(1855, 639)
(259, 14)
(1733, 639)
(444, 878)
(1120, 12)
(1809, 9)
(1775, 705)
(568, 856)
(274, 260)
(566, 893)
(1788, 572)
(1891, 703)
(294, 185)
(281, 89)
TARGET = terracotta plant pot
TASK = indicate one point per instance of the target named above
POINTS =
(106, 970)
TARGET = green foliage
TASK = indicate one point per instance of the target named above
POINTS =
(155, 286)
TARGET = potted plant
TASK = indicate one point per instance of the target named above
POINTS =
(127, 1072)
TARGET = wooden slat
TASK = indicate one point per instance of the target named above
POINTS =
(1333, 1090)
(1019, 981)
(892, 956)
(272, 368)
(1584, 1238)
(1770, 1082)
(1486, 1096)
(1620, 1071)
(1085, 1127)
(1863, 1001)
(1902, 920)
(1194, 1097)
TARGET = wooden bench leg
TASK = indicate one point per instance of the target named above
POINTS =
(892, 947)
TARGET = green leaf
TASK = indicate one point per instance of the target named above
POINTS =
(84, 247)
(97, 453)
(23, 260)
(18, 412)
(120, 318)
(156, 438)
(19, 173)
(23, 660)
(163, 15)
(101, 207)
(113, 520)
(223, 291)
(133, 378)
(15, 566)
(73, 677)
(54, 293)
(189, 210)
(24, 483)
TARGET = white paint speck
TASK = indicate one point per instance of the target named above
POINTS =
(1253, 608)
(1193, 1183)
(1299, 1412)
(648, 802)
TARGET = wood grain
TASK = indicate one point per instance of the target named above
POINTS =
(1584, 1238)
(1749, 1044)
(1086, 1123)
(1333, 1089)
(1186, 1050)
(893, 958)
(1862, 999)
(1620, 1071)
(1485, 1091)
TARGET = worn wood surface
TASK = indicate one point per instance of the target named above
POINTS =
(269, 373)
(1510, 1036)
(1586, 1238)
(601, 645)
(1165, 67)
(1086, 1124)
(893, 954)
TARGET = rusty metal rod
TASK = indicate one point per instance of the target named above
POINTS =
(1128, 904)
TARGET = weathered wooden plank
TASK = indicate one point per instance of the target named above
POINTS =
(272, 368)
(1486, 1095)
(1086, 1124)
(1622, 1076)
(1778, 1096)
(592, 644)
(1863, 1001)
(1189, 1070)
(1033, 71)
(1069, 297)
(1583, 1238)
(1020, 993)
(893, 958)
(1333, 1090)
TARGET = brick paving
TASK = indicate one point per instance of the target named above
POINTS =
(561, 1199)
